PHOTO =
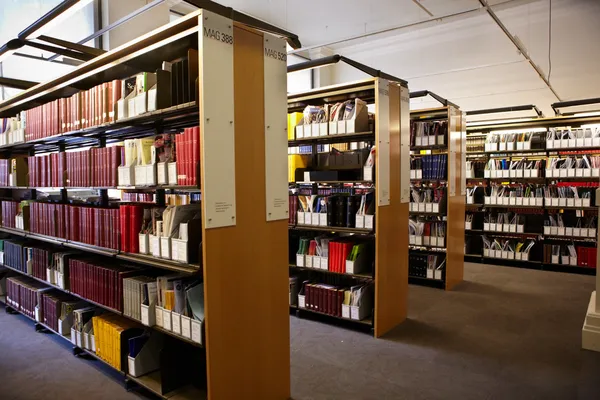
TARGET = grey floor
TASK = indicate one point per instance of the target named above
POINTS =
(505, 333)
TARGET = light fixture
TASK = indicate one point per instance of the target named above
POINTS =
(53, 18)
(574, 103)
(587, 114)
(499, 121)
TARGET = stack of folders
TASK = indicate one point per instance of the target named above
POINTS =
(9, 212)
(565, 138)
(340, 210)
(565, 254)
(112, 333)
(428, 133)
(136, 290)
(57, 272)
(82, 323)
(183, 297)
(424, 265)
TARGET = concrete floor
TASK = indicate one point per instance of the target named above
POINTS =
(505, 333)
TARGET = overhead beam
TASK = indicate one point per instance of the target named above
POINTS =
(519, 46)
(59, 50)
(17, 83)
(92, 51)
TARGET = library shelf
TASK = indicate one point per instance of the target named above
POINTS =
(359, 275)
(152, 382)
(137, 188)
(421, 281)
(337, 138)
(137, 258)
(112, 310)
(360, 231)
(391, 214)
(506, 206)
(454, 209)
(366, 321)
(543, 152)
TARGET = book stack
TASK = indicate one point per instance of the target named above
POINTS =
(91, 225)
(98, 283)
(82, 110)
(111, 333)
(105, 162)
(46, 170)
(339, 251)
(434, 167)
(22, 294)
(48, 219)
(134, 291)
(187, 148)
(40, 261)
(9, 212)
(324, 298)
(131, 219)
(138, 197)
(293, 207)
(14, 255)
(4, 172)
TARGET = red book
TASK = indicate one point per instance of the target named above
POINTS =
(196, 157)
(136, 213)
(125, 221)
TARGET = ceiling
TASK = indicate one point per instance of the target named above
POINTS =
(459, 53)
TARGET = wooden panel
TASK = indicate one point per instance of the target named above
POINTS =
(455, 234)
(245, 273)
(391, 256)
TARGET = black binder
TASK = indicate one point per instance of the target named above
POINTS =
(331, 203)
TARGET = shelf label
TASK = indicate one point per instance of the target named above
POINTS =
(382, 115)
(196, 331)
(276, 142)
(217, 121)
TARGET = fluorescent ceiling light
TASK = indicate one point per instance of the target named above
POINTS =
(56, 20)
(498, 121)
(587, 114)
(521, 130)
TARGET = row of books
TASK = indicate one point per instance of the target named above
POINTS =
(336, 251)
(91, 225)
(187, 147)
(22, 294)
(431, 167)
(84, 109)
(331, 299)
(9, 213)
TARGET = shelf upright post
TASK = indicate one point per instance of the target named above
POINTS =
(455, 232)
(243, 145)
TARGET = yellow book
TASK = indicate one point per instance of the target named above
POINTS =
(296, 161)
(170, 300)
(96, 336)
(293, 120)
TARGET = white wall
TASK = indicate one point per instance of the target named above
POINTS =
(113, 10)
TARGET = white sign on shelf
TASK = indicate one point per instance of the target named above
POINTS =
(217, 127)
(383, 142)
(275, 81)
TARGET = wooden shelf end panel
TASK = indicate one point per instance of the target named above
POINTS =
(248, 347)
(391, 254)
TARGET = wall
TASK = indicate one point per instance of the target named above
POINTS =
(151, 19)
